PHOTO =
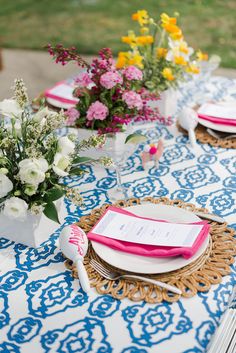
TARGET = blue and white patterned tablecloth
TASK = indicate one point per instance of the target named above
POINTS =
(43, 309)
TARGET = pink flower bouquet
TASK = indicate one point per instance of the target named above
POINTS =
(109, 98)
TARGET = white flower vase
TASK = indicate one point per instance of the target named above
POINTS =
(33, 231)
(166, 104)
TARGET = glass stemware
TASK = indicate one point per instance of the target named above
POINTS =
(116, 148)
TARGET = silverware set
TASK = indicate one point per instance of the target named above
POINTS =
(112, 275)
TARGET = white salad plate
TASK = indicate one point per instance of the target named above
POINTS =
(148, 265)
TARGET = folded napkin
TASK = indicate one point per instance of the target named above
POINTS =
(62, 92)
(216, 120)
(218, 114)
(150, 250)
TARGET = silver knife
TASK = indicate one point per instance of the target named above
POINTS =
(209, 216)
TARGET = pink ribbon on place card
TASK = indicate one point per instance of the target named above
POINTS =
(150, 250)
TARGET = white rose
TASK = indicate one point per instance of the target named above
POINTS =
(65, 146)
(32, 171)
(5, 185)
(60, 164)
(15, 209)
(9, 107)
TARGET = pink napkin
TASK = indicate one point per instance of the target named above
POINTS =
(218, 120)
(150, 250)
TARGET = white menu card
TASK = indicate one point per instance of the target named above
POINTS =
(128, 228)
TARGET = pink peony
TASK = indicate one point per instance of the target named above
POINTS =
(83, 80)
(132, 99)
(97, 110)
(133, 73)
(72, 115)
(110, 79)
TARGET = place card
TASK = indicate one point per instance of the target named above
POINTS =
(130, 228)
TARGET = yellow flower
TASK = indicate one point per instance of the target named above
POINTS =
(136, 60)
(144, 30)
(179, 60)
(143, 40)
(161, 52)
(201, 56)
(166, 20)
(141, 16)
(192, 69)
(131, 39)
(167, 73)
(122, 60)
(183, 47)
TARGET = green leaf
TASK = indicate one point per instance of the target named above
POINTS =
(135, 138)
(80, 160)
(54, 194)
(76, 171)
(50, 211)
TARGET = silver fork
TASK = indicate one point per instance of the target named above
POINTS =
(219, 136)
(112, 275)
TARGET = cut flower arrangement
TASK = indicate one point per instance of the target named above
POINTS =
(109, 98)
(33, 159)
(160, 51)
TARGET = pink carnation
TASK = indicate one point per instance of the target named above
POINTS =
(133, 73)
(110, 79)
(97, 110)
(72, 115)
(83, 80)
(132, 99)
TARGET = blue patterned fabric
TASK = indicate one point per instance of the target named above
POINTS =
(43, 309)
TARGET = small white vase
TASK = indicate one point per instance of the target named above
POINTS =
(166, 104)
(33, 231)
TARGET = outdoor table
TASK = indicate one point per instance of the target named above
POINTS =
(43, 309)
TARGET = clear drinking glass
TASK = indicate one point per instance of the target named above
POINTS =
(116, 148)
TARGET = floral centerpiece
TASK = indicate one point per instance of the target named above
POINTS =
(109, 98)
(160, 51)
(33, 160)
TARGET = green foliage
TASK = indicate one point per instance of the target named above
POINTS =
(91, 25)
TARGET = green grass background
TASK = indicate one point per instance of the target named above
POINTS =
(93, 24)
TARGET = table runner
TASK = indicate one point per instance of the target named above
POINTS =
(44, 310)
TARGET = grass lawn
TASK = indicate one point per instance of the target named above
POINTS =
(93, 24)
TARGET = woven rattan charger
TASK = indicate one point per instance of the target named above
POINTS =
(204, 137)
(198, 276)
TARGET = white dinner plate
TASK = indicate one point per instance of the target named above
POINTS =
(144, 264)
(58, 104)
(219, 127)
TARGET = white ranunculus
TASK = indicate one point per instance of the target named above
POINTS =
(15, 209)
(65, 146)
(60, 164)
(32, 171)
(30, 190)
(5, 185)
(9, 107)
(41, 163)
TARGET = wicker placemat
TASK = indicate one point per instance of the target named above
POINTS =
(203, 137)
(208, 269)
